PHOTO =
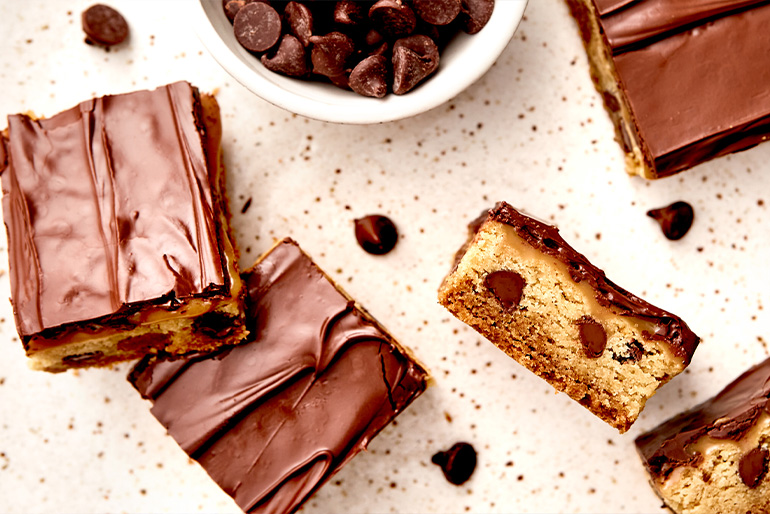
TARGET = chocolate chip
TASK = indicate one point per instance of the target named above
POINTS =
(350, 12)
(104, 25)
(299, 19)
(437, 12)
(592, 336)
(675, 219)
(257, 27)
(457, 463)
(376, 234)
(330, 53)
(289, 59)
(753, 466)
(507, 286)
(476, 14)
(414, 59)
(232, 7)
(82, 358)
(393, 18)
(370, 76)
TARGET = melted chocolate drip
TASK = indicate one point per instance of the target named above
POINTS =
(272, 419)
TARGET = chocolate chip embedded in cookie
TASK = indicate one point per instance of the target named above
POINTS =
(531, 294)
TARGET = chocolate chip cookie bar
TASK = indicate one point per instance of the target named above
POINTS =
(272, 419)
(715, 456)
(683, 82)
(519, 284)
(116, 215)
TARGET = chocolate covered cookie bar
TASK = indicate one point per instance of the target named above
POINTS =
(117, 216)
(715, 456)
(683, 82)
(272, 419)
(519, 284)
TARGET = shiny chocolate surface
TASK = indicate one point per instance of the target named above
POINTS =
(272, 419)
(109, 205)
(694, 73)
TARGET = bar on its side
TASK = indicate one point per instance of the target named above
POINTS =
(519, 284)
(117, 222)
(272, 419)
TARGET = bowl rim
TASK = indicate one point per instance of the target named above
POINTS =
(339, 106)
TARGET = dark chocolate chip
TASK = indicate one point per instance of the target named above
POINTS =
(299, 19)
(330, 53)
(414, 59)
(753, 466)
(476, 14)
(507, 286)
(232, 7)
(370, 77)
(592, 336)
(376, 234)
(457, 463)
(437, 12)
(104, 25)
(393, 18)
(289, 59)
(257, 27)
(675, 220)
(350, 12)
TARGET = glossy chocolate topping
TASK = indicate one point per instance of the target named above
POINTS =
(545, 238)
(270, 420)
(695, 75)
(729, 415)
(107, 205)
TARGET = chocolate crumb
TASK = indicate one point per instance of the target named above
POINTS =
(457, 463)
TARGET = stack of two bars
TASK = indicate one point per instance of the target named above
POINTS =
(120, 248)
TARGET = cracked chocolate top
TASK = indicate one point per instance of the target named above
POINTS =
(729, 415)
(546, 239)
(272, 419)
(694, 73)
(107, 205)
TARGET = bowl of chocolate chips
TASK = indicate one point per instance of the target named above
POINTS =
(357, 61)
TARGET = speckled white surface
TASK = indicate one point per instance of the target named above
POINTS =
(532, 132)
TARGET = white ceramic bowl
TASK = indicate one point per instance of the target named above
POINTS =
(465, 59)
